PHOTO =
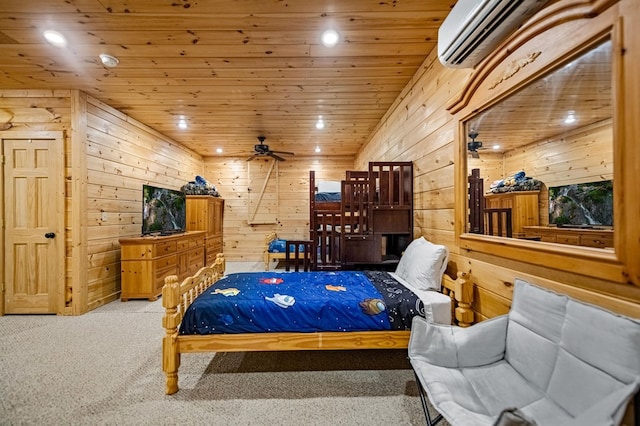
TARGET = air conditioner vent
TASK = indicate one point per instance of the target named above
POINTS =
(475, 27)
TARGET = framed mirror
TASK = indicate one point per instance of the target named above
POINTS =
(541, 160)
(558, 113)
(560, 97)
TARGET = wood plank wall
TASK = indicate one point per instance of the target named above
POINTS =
(491, 165)
(244, 242)
(122, 155)
(419, 128)
(585, 155)
(118, 154)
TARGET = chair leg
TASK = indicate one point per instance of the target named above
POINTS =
(425, 406)
(636, 409)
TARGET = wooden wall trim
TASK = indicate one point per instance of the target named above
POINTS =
(79, 200)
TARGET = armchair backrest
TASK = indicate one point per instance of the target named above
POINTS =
(574, 352)
(534, 331)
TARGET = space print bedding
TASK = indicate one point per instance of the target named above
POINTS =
(257, 302)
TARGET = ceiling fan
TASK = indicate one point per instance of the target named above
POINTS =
(473, 146)
(262, 150)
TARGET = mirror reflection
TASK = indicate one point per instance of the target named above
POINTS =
(540, 162)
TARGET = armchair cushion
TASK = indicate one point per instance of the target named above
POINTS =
(557, 360)
(455, 347)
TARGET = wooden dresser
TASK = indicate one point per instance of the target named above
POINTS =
(588, 237)
(147, 260)
(206, 213)
(524, 205)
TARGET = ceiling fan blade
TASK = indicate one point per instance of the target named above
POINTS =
(252, 157)
(271, 154)
(283, 152)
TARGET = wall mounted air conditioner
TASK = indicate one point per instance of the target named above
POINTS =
(474, 27)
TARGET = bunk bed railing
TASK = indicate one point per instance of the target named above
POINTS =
(355, 207)
(325, 240)
(393, 184)
(372, 223)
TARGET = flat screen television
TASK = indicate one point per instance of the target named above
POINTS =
(582, 205)
(164, 211)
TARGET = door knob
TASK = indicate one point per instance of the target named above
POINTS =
(50, 235)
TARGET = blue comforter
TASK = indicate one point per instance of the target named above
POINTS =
(301, 302)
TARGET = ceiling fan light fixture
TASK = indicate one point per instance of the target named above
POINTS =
(109, 61)
(330, 38)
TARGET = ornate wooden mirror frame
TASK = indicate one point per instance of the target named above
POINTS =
(533, 51)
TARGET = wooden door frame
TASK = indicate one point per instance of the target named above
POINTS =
(58, 166)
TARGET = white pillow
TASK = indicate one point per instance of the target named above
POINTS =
(423, 264)
(329, 186)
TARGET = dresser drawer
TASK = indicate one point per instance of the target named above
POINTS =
(161, 274)
(183, 244)
(164, 247)
(196, 242)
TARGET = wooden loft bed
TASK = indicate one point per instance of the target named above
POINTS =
(371, 223)
(177, 296)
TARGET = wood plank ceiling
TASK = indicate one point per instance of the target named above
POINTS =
(233, 69)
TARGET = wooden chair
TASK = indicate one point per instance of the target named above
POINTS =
(499, 222)
(304, 254)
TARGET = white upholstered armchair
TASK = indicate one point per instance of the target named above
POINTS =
(551, 361)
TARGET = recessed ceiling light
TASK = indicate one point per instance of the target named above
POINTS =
(318, 149)
(108, 60)
(496, 146)
(182, 123)
(571, 118)
(320, 123)
(219, 150)
(55, 38)
(330, 38)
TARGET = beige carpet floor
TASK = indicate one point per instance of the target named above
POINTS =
(104, 368)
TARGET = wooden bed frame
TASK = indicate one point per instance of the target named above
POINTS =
(176, 298)
(268, 256)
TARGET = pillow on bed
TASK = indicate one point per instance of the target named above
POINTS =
(277, 246)
(423, 264)
(329, 186)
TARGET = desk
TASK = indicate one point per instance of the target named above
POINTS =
(588, 237)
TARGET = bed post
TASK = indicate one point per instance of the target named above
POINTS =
(463, 293)
(170, 321)
(220, 265)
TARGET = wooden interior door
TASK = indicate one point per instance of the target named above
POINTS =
(33, 186)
